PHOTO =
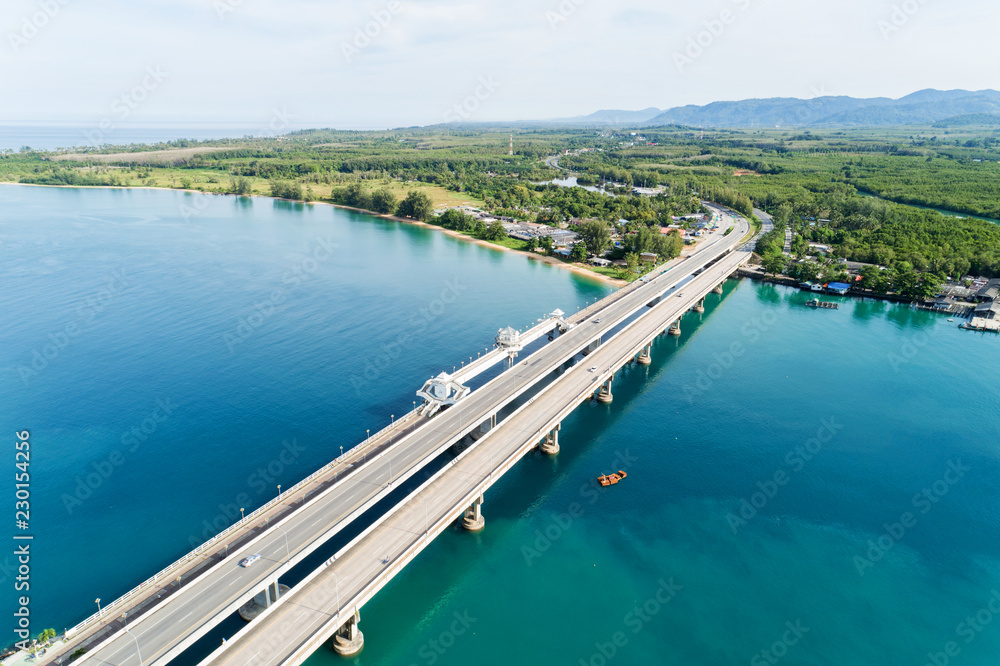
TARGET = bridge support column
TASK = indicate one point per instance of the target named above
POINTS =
(675, 328)
(700, 307)
(604, 395)
(718, 289)
(473, 519)
(349, 640)
(272, 593)
(550, 446)
(646, 355)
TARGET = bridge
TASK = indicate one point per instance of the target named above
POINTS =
(508, 416)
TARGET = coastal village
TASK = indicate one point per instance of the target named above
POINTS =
(691, 228)
(975, 298)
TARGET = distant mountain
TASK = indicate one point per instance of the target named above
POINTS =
(971, 119)
(616, 117)
(924, 107)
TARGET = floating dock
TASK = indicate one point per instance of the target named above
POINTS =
(816, 303)
(981, 324)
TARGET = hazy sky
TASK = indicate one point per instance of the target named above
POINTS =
(302, 62)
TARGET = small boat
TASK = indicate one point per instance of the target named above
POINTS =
(816, 303)
(611, 479)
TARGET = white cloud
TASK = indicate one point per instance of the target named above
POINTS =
(432, 54)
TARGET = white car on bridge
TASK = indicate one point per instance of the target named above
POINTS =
(247, 561)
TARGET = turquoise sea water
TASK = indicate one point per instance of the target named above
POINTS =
(829, 424)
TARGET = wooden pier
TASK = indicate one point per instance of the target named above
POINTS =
(981, 324)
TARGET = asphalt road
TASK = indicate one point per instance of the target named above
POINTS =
(194, 610)
(315, 609)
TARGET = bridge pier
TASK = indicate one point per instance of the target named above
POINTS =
(349, 640)
(700, 307)
(550, 446)
(675, 328)
(272, 593)
(473, 519)
(646, 355)
(718, 289)
(484, 427)
(604, 394)
(262, 600)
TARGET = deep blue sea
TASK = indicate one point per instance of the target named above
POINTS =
(804, 487)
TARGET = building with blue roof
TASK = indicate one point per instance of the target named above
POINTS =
(838, 288)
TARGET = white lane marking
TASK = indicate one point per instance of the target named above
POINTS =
(277, 548)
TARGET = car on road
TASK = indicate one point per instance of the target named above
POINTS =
(593, 369)
(598, 320)
(680, 294)
(247, 561)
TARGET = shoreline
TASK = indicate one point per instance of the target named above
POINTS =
(785, 281)
(551, 261)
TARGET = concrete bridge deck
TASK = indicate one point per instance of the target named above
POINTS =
(309, 519)
(317, 608)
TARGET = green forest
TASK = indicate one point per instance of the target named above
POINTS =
(856, 190)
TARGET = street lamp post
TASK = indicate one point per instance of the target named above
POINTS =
(137, 650)
(279, 491)
(336, 582)
(241, 515)
(287, 551)
(98, 602)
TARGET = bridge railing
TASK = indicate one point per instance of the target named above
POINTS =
(111, 609)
